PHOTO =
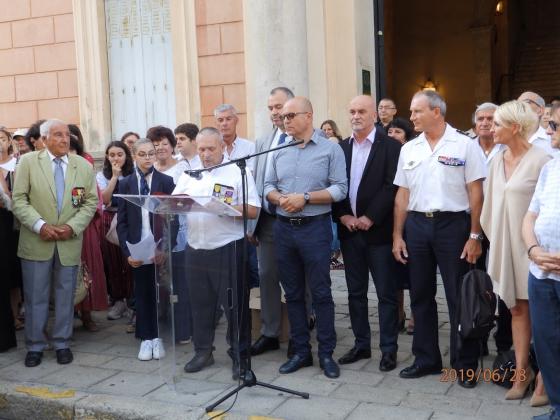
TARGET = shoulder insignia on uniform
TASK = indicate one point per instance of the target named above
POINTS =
(464, 133)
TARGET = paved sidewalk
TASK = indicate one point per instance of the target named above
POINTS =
(111, 383)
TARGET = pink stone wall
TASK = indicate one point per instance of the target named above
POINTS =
(221, 65)
(38, 77)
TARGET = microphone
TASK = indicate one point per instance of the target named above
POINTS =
(196, 174)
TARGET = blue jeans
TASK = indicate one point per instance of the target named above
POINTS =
(544, 306)
(304, 252)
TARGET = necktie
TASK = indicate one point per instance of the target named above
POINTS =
(282, 138)
(144, 189)
(59, 183)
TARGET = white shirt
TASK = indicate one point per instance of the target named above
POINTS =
(146, 230)
(210, 231)
(192, 163)
(360, 154)
(546, 203)
(39, 223)
(438, 179)
(240, 148)
(176, 170)
(488, 157)
(10, 165)
(542, 140)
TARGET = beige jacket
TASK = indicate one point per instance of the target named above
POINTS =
(34, 198)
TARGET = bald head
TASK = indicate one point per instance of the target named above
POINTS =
(302, 103)
(362, 116)
(534, 100)
(298, 118)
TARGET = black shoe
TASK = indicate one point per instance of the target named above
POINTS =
(64, 356)
(353, 355)
(329, 366)
(468, 383)
(290, 353)
(199, 362)
(415, 371)
(264, 344)
(388, 362)
(33, 358)
(296, 363)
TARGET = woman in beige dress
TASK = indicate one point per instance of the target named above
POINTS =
(511, 183)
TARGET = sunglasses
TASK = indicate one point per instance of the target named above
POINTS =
(291, 115)
(553, 125)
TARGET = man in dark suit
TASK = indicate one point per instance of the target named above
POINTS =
(271, 293)
(135, 224)
(365, 224)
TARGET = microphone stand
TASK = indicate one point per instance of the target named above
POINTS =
(248, 378)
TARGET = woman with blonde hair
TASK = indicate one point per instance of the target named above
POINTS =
(512, 179)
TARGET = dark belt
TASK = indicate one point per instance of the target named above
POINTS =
(299, 221)
(438, 214)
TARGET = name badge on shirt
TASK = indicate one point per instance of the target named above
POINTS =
(451, 161)
(78, 196)
(224, 193)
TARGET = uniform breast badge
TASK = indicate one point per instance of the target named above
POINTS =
(451, 161)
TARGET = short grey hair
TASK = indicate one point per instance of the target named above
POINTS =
(284, 89)
(139, 143)
(223, 108)
(45, 128)
(434, 99)
(486, 106)
(211, 131)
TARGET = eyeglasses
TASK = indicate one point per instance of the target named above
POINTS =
(146, 155)
(553, 125)
(291, 115)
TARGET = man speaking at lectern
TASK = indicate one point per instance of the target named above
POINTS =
(214, 254)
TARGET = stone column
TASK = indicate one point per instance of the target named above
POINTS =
(275, 55)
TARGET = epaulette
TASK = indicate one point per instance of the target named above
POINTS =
(464, 133)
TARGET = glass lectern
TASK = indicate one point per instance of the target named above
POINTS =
(174, 270)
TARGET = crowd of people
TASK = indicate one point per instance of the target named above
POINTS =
(398, 200)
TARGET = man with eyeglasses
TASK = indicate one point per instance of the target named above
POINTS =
(304, 181)
(386, 110)
(539, 137)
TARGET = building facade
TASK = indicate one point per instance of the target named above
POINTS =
(113, 66)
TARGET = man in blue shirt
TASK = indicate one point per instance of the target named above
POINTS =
(304, 181)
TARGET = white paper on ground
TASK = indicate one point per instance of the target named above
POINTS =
(145, 250)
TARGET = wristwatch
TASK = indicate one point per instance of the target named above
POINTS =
(476, 236)
(306, 197)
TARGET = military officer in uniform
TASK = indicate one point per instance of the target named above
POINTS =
(438, 202)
